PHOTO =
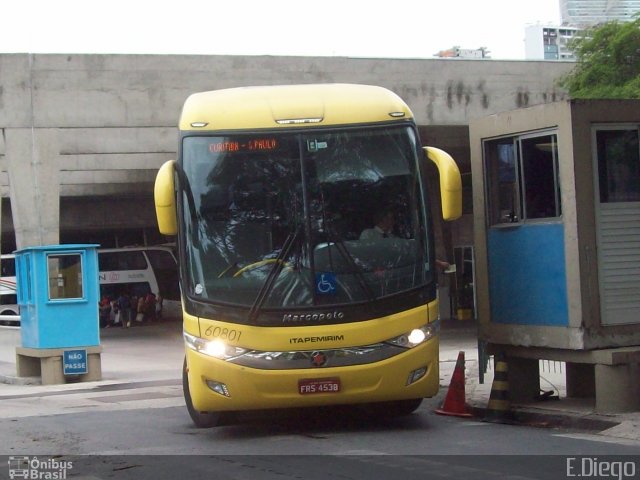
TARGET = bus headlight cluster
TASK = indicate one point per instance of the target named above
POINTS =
(416, 336)
(214, 348)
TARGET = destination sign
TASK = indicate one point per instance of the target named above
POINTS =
(249, 145)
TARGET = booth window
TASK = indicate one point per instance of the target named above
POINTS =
(64, 272)
(618, 165)
(521, 178)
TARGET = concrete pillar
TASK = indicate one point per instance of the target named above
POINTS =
(524, 379)
(581, 381)
(32, 165)
(618, 388)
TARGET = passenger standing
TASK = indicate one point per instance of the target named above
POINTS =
(150, 307)
(159, 307)
(115, 312)
(133, 301)
(140, 309)
(124, 305)
(104, 308)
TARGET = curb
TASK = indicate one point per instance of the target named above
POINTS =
(15, 380)
(524, 416)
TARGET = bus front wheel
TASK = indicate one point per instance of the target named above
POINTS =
(200, 419)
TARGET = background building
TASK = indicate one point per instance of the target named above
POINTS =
(585, 13)
(457, 52)
(82, 136)
(550, 42)
(544, 42)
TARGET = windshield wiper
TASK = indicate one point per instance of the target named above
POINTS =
(274, 273)
(356, 270)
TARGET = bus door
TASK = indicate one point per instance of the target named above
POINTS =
(525, 234)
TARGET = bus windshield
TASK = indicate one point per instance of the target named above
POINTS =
(283, 220)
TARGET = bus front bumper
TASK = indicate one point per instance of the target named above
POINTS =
(216, 385)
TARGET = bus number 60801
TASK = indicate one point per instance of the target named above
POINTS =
(223, 333)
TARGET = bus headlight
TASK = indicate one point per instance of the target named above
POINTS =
(214, 348)
(416, 336)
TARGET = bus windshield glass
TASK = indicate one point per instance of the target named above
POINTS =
(283, 220)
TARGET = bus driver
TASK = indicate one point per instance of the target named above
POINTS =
(385, 221)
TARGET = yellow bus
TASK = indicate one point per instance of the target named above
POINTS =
(306, 249)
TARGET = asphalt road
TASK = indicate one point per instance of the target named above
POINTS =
(145, 432)
(140, 429)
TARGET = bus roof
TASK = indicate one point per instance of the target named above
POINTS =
(285, 106)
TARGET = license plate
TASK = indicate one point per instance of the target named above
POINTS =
(318, 385)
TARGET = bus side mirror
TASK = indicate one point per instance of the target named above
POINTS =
(165, 199)
(450, 182)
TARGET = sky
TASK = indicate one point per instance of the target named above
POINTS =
(353, 28)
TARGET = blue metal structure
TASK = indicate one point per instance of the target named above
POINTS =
(527, 276)
(58, 294)
(556, 218)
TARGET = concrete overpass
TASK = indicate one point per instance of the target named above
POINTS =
(83, 135)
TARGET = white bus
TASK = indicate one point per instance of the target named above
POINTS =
(132, 270)
(139, 270)
(9, 310)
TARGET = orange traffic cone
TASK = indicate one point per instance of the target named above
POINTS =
(454, 403)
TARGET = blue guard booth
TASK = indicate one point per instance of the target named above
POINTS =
(58, 294)
(556, 192)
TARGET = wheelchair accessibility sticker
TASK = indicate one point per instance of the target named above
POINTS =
(326, 283)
